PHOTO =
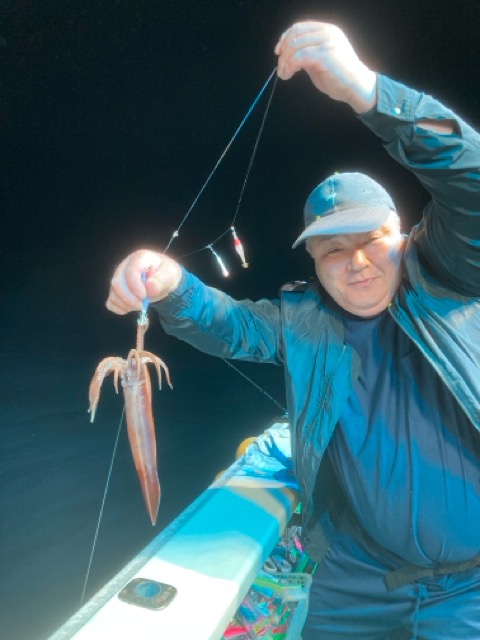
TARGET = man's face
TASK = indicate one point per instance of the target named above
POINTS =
(361, 271)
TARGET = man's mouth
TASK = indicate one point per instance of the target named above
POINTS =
(364, 282)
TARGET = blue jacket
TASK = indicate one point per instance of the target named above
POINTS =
(437, 303)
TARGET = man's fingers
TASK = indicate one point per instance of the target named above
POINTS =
(299, 44)
(300, 34)
(163, 279)
(142, 274)
(120, 298)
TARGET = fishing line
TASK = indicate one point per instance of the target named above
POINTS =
(258, 387)
(231, 228)
(142, 320)
(176, 233)
(100, 515)
(239, 249)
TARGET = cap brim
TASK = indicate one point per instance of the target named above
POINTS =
(356, 220)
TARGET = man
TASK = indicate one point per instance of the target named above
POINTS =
(381, 359)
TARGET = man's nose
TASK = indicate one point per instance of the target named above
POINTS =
(358, 260)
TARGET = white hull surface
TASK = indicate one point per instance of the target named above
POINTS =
(211, 554)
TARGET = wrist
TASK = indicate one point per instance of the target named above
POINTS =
(363, 96)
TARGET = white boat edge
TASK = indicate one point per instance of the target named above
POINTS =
(210, 553)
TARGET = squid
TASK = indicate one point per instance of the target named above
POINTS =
(137, 394)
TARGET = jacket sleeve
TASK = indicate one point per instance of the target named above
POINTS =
(448, 166)
(215, 323)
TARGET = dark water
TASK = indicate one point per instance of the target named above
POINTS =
(54, 466)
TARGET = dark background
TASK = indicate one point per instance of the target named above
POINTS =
(112, 114)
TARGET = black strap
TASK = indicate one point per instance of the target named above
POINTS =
(411, 572)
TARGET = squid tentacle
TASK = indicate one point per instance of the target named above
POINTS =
(151, 358)
(106, 366)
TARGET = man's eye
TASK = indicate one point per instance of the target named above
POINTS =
(332, 250)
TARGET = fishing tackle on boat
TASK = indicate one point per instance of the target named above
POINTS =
(137, 393)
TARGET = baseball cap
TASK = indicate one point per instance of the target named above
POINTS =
(345, 203)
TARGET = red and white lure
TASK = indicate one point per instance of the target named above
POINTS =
(239, 248)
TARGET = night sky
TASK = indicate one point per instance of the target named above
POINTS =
(112, 115)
